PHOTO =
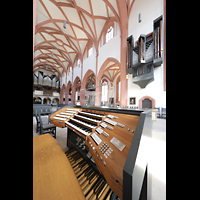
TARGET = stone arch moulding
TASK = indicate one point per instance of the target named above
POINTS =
(147, 97)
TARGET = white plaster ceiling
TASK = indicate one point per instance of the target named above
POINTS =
(85, 20)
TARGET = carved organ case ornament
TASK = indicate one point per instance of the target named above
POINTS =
(157, 37)
(142, 48)
(130, 42)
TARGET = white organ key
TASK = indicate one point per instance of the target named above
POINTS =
(59, 118)
(65, 116)
(77, 128)
(66, 113)
(73, 109)
(90, 119)
(70, 111)
(92, 114)
(86, 124)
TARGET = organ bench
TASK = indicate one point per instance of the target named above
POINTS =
(53, 176)
(114, 143)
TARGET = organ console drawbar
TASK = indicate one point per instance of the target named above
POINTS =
(113, 141)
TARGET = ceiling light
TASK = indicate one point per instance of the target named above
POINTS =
(64, 24)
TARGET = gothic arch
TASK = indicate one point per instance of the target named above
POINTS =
(103, 67)
(84, 81)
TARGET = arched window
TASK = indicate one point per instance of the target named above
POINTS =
(105, 91)
(78, 63)
(109, 34)
(90, 50)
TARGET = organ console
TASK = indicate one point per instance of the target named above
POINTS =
(114, 142)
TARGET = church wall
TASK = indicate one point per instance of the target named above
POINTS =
(150, 10)
(89, 63)
(110, 49)
(77, 72)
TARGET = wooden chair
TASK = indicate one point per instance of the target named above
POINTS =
(45, 126)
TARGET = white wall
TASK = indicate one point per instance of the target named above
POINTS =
(63, 80)
(89, 63)
(150, 10)
(110, 49)
(69, 77)
(77, 72)
(153, 89)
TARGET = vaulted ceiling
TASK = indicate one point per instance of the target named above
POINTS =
(111, 72)
(85, 21)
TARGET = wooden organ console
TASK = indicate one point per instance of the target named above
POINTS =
(114, 142)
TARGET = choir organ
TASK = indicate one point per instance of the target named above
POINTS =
(114, 142)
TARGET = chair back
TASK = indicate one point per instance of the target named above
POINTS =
(37, 115)
(43, 120)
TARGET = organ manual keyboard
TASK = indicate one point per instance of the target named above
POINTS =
(114, 142)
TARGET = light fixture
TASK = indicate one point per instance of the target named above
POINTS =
(127, 76)
(64, 24)
(140, 17)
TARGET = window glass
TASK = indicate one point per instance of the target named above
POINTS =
(109, 34)
(105, 91)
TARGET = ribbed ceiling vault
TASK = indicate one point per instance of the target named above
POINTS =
(85, 21)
